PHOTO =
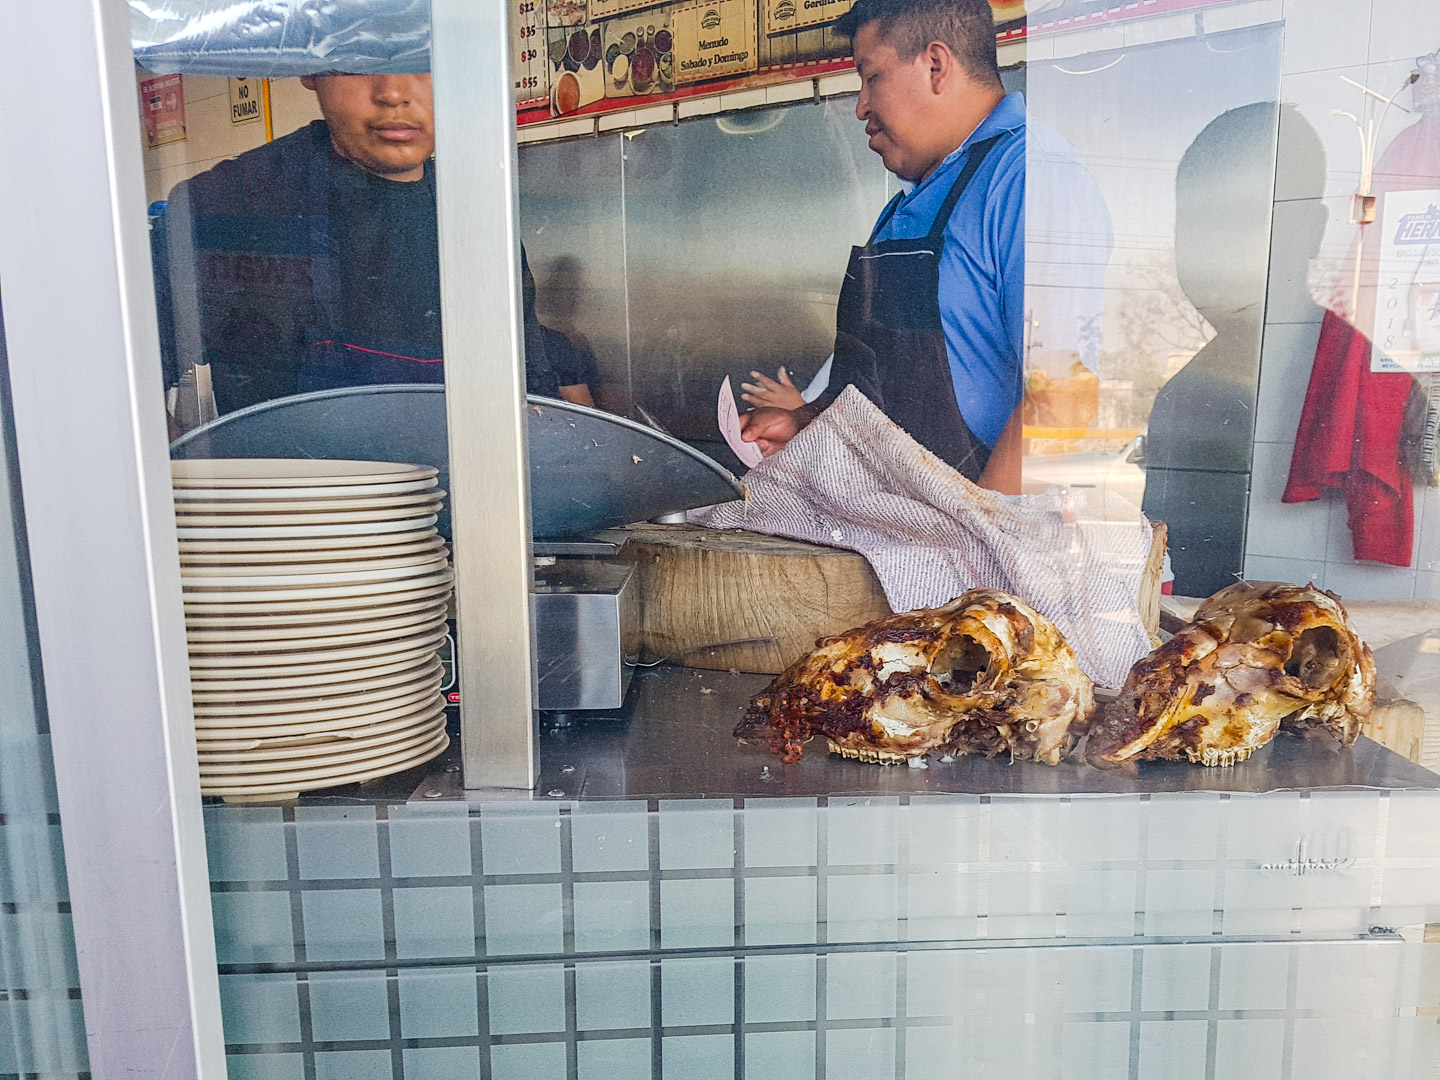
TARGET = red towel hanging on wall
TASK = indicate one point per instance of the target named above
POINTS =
(1349, 440)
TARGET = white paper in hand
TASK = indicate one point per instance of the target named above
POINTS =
(729, 416)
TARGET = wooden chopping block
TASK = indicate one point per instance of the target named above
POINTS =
(728, 599)
(1150, 580)
(741, 600)
(1400, 725)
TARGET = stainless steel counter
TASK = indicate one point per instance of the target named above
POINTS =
(673, 740)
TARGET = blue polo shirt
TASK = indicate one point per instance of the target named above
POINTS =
(982, 269)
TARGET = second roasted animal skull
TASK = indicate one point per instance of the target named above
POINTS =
(1257, 656)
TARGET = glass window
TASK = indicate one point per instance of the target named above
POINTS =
(1153, 306)
(42, 1018)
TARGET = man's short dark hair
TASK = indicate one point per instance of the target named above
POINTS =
(967, 27)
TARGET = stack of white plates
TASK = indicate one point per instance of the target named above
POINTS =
(315, 603)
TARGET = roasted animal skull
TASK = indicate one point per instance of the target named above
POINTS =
(984, 674)
(1258, 656)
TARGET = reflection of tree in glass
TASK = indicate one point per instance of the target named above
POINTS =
(1154, 331)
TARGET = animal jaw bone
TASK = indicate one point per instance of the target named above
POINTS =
(985, 674)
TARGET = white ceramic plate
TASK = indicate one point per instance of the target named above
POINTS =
(245, 692)
(329, 491)
(320, 731)
(250, 613)
(322, 544)
(273, 687)
(341, 709)
(300, 750)
(301, 725)
(249, 566)
(315, 622)
(237, 643)
(350, 574)
(289, 532)
(203, 593)
(305, 560)
(287, 752)
(283, 786)
(246, 742)
(326, 658)
(304, 517)
(261, 637)
(292, 472)
(321, 703)
(337, 762)
(245, 510)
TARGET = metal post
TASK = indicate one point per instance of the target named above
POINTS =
(90, 433)
(485, 389)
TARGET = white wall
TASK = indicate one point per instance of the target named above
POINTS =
(1374, 42)
(211, 136)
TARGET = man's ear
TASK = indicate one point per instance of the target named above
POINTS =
(307, 81)
(942, 64)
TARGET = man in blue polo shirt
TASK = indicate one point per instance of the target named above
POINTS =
(931, 316)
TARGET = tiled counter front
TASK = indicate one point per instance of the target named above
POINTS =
(1080, 937)
(42, 1021)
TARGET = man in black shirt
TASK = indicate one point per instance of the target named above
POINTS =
(312, 262)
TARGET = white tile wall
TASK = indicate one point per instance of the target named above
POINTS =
(1314, 94)
(1375, 43)
(1268, 568)
(211, 138)
(1332, 33)
(1288, 352)
(1369, 581)
(1283, 530)
(1399, 29)
(291, 106)
(1295, 237)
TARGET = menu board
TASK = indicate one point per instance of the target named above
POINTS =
(639, 54)
(782, 15)
(573, 54)
(527, 51)
(715, 38)
(566, 12)
(604, 9)
(577, 77)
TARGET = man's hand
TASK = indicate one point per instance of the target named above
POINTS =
(772, 429)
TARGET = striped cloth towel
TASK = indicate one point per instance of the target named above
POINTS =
(854, 479)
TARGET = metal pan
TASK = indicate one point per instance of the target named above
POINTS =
(589, 469)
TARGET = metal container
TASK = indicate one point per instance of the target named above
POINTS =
(587, 622)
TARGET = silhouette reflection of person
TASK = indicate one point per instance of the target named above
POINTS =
(1197, 448)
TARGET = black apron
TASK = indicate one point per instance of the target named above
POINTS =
(890, 339)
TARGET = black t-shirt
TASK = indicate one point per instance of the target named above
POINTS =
(288, 244)
(387, 259)
(573, 365)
